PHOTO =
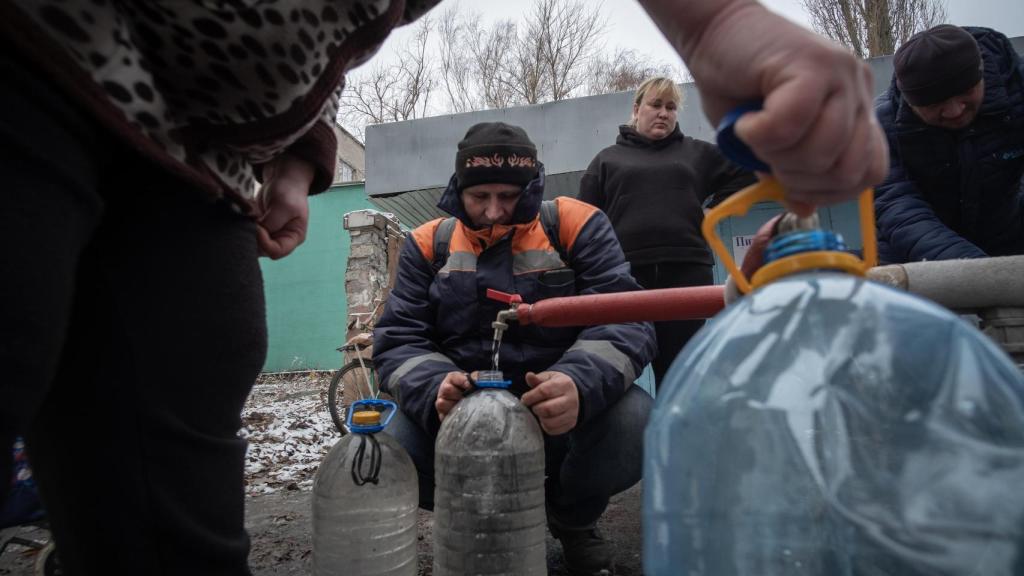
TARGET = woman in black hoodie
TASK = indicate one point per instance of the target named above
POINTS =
(654, 185)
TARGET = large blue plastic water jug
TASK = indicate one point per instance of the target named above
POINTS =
(827, 425)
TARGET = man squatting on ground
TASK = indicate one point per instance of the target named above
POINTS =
(436, 328)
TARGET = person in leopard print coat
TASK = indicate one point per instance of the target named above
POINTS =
(209, 90)
(134, 134)
(132, 320)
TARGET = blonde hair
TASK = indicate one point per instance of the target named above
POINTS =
(659, 86)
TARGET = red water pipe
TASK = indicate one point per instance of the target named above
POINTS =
(694, 303)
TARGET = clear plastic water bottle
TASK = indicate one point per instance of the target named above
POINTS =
(365, 496)
(489, 515)
(825, 424)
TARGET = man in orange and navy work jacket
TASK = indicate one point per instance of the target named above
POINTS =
(436, 329)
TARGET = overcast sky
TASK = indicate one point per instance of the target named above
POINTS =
(629, 26)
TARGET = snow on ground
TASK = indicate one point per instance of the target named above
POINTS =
(289, 431)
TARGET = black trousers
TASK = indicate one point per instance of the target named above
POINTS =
(132, 327)
(672, 336)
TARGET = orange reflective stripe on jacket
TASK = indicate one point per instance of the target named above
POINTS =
(530, 237)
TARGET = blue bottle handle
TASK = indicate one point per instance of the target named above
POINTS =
(731, 145)
(386, 406)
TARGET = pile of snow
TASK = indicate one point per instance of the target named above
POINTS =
(289, 431)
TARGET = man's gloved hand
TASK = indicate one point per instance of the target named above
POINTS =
(554, 399)
(453, 388)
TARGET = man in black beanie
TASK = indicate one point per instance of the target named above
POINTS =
(436, 332)
(954, 118)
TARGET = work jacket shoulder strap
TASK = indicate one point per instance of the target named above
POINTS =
(548, 221)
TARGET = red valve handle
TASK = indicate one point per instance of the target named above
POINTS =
(504, 297)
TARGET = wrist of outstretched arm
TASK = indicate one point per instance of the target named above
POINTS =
(314, 155)
(296, 170)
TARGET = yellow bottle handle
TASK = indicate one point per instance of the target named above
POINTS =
(769, 189)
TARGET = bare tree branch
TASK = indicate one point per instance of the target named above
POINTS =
(456, 63)
(391, 93)
(416, 74)
(568, 34)
(526, 74)
(553, 54)
(871, 28)
(491, 48)
(626, 70)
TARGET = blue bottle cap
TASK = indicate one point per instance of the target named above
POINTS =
(803, 241)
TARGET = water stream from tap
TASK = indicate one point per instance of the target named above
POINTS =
(496, 348)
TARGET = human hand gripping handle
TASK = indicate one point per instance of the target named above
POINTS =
(817, 129)
(283, 205)
(738, 151)
(554, 399)
(453, 388)
(770, 189)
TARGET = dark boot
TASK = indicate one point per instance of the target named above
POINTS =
(586, 551)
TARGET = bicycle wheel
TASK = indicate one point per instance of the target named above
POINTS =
(349, 384)
(46, 563)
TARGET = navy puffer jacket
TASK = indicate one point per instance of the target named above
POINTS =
(435, 323)
(956, 194)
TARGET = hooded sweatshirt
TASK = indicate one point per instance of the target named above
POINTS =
(654, 192)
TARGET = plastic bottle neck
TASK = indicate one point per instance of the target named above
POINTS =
(806, 251)
(492, 379)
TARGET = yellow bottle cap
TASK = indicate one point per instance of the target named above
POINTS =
(366, 418)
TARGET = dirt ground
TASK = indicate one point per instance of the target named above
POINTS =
(280, 528)
(289, 430)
